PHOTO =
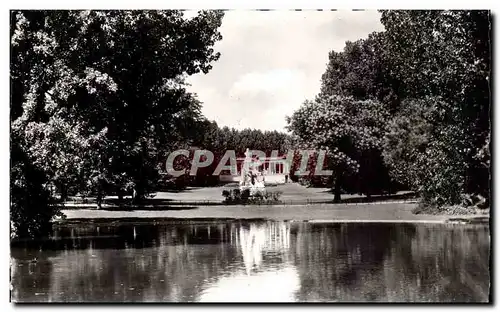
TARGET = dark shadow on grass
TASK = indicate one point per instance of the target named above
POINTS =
(146, 201)
(171, 204)
(353, 200)
(148, 208)
(379, 198)
(158, 203)
(171, 190)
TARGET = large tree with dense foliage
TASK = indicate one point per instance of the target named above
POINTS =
(426, 147)
(346, 128)
(442, 60)
(360, 72)
(431, 71)
(98, 97)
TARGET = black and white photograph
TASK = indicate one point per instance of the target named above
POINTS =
(250, 156)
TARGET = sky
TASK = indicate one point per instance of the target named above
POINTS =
(271, 61)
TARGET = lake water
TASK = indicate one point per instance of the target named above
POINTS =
(254, 261)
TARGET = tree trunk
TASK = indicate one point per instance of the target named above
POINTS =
(99, 198)
(137, 195)
(63, 192)
(337, 189)
(100, 194)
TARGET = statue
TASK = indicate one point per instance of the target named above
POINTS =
(245, 169)
(251, 178)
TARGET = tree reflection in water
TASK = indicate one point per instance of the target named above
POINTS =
(248, 261)
(393, 263)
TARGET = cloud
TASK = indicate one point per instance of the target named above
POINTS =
(269, 81)
(271, 61)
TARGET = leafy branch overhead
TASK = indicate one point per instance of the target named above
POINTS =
(98, 97)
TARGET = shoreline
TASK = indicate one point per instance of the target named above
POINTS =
(109, 221)
(316, 213)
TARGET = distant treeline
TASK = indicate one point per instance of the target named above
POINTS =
(218, 140)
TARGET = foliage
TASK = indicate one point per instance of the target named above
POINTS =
(98, 97)
(218, 140)
(362, 71)
(32, 205)
(347, 129)
(443, 56)
(429, 72)
(426, 149)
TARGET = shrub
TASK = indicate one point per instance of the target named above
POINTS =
(245, 195)
(235, 196)
(275, 196)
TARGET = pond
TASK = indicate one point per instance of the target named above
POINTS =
(254, 262)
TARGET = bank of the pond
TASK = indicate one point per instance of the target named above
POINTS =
(374, 212)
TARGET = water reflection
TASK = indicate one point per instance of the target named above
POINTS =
(254, 261)
(256, 239)
(269, 274)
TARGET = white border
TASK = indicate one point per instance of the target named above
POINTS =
(190, 4)
(248, 4)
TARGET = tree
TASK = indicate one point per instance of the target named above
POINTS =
(445, 55)
(426, 150)
(47, 147)
(98, 97)
(32, 205)
(346, 128)
(219, 140)
(362, 71)
(151, 113)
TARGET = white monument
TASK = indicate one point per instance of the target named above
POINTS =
(251, 178)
